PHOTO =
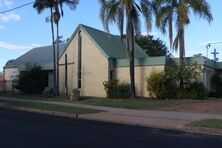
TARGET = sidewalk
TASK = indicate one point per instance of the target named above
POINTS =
(158, 119)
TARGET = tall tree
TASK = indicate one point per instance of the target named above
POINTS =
(116, 11)
(56, 11)
(58, 6)
(40, 6)
(153, 47)
(178, 11)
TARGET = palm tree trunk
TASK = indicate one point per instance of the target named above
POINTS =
(130, 49)
(54, 55)
(131, 62)
(57, 78)
(182, 53)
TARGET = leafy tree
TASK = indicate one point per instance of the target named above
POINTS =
(33, 80)
(116, 11)
(153, 47)
(179, 11)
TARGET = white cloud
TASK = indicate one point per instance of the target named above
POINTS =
(18, 48)
(6, 3)
(9, 17)
(150, 33)
(6, 17)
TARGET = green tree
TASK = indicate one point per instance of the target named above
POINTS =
(179, 11)
(40, 6)
(33, 80)
(116, 11)
(153, 47)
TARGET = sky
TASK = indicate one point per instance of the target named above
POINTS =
(24, 29)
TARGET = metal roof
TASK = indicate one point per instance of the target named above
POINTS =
(110, 45)
(42, 56)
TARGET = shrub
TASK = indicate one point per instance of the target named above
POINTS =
(164, 85)
(161, 85)
(216, 83)
(32, 81)
(195, 91)
(116, 89)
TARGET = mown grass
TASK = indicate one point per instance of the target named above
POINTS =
(210, 123)
(35, 97)
(116, 103)
(133, 103)
(49, 107)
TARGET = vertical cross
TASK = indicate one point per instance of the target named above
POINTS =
(215, 54)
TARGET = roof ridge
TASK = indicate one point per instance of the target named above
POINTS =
(98, 30)
(46, 46)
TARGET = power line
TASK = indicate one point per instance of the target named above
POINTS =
(17, 7)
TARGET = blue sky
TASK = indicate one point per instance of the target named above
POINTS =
(23, 29)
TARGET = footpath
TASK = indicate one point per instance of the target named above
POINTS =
(148, 118)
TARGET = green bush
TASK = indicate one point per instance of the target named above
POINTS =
(216, 83)
(195, 91)
(161, 85)
(33, 80)
(164, 85)
(116, 89)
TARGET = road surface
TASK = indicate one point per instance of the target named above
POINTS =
(31, 130)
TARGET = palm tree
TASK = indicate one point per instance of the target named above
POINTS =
(40, 6)
(58, 6)
(178, 11)
(116, 11)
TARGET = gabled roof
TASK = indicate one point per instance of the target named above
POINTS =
(110, 45)
(42, 56)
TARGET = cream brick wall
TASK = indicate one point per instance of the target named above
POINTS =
(8, 73)
(141, 73)
(206, 75)
(71, 52)
(94, 68)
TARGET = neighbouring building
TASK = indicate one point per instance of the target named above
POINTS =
(1, 76)
(92, 56)
(41, 56)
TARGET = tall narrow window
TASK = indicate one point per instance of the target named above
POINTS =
(66, 75)
(79, 60)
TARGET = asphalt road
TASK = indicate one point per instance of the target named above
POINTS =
(30, 130)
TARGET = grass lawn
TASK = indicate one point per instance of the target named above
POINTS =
(116, 103)
(35, 97)
(50, 107)
(211, 123)
(133, 103)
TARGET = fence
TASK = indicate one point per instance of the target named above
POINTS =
(7, 86)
